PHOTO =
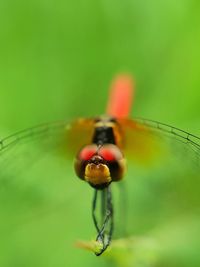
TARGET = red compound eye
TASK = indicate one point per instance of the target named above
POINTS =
(88, 152)
(107, 154)
(110, 153)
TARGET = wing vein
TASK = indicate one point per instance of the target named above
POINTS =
(30, 132)
(183, 135)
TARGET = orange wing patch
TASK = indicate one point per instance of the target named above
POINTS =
(78, 134)
(139, 143)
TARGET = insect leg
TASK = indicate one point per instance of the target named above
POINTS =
(105, 234)
(94, 203)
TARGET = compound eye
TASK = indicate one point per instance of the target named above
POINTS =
(87, 152)
(110, 153)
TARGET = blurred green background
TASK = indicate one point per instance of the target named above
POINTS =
(57, 59)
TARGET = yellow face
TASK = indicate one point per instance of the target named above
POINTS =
(97, 174)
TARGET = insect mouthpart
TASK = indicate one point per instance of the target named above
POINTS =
(96, 159)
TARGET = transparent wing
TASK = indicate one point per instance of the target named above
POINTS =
(30, 133)
(148, 141)
(78, 132)
(184, 137)
(22, 149)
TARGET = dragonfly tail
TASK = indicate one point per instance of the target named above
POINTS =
(121, 96)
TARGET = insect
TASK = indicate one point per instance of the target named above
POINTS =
(101, 145)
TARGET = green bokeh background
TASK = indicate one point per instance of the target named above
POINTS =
(57, 60)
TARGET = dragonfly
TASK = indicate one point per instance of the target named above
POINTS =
(102, 144)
